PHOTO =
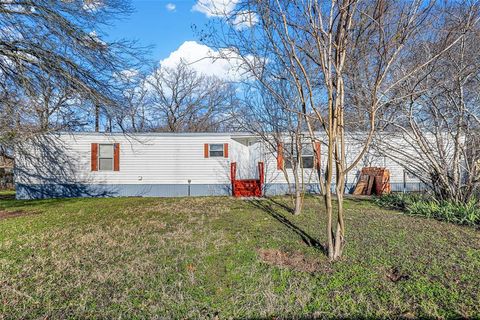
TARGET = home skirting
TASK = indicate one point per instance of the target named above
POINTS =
(45, 191)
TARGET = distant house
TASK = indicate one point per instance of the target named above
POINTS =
(162, 165)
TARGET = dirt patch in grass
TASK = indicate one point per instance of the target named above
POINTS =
(292, 260)
(13, 214)
(395, 275)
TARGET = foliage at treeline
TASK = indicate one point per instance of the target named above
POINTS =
(426, 205)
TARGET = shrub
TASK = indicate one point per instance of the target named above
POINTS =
(416, 204)
(397, 201)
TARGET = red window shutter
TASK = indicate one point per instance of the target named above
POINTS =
(205, 150)
(280, 156)
(225, 150)
(318, 154)
(116, 157)
(94, 157)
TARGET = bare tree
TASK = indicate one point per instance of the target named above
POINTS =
(53, 107)
(184, 100)
(269, 116)
(436, 130)
(135, 116)
(335, 52)
(58, 46)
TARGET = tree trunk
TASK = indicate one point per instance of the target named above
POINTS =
(340, 232)
(328, 197)
(298, 201)
(329, 209)
(97, 118)
(298, 189)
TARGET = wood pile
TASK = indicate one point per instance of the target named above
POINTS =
(373, 180)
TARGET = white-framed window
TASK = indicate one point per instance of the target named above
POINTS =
(307, 159)
(105, 157)
(215, 150)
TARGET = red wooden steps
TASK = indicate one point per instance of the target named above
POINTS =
(246, 187)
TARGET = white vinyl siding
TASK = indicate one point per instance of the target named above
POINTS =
(164, 159)
(146, 159)
(371, 159)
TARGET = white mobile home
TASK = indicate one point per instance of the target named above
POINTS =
(158, 165)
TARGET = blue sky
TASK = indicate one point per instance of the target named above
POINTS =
(167, 26)
(153, 24)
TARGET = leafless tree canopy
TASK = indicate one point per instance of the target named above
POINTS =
(52, 54)
(346, 63)
(176, 99)
(436, 129)
(184, 100)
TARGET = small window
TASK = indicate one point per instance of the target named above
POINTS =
(105, 157)
(215, 150)
(307, 162)
(307, 159)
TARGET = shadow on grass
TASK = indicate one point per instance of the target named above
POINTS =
(9, 202)
(7, 196)
(355, 317)
(267, 207)
(282, 205)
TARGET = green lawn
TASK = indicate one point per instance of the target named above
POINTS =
(209, 257)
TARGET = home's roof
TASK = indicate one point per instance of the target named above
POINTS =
(160, 134)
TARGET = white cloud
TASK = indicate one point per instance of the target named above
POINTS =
(92, 5)
(18, 8)
(225, 63)
(94, 39)
(127, 75)
(227, 9)
(170, 6)
(215, 8)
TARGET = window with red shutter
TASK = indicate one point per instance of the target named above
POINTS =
(116, 157)
(225, 150)
(94, 157)
(280, 156)
(205, 150)
(216, 150)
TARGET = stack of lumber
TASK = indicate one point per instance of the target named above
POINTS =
(373, 180)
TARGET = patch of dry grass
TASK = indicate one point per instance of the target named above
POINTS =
(228, 258)
(293, 260)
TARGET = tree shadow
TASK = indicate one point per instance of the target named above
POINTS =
(266, 206)
(8, 196)
(308, 317)
(282, 205)
(46, 168)
(357, 199)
